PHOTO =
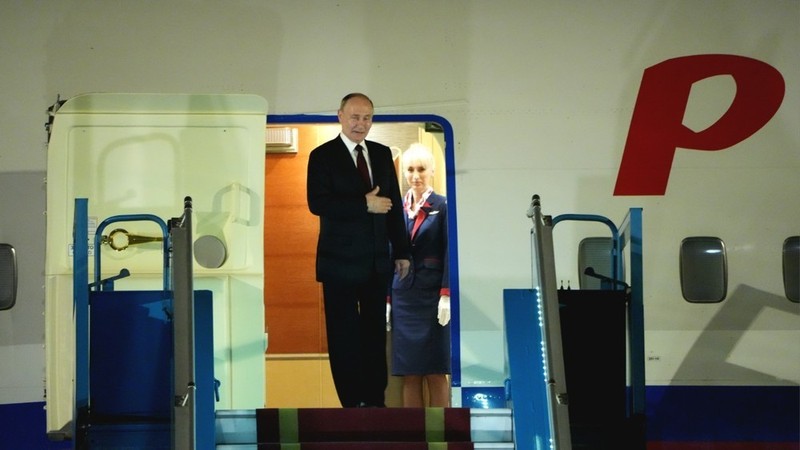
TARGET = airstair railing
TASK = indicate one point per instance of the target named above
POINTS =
(178, 279)
(616, 246)
(100, 239)
(627, 236)
(184, 432)
(544, 281)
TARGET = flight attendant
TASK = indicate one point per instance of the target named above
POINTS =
(420, 308)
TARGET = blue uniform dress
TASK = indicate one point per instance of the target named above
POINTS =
(420, 346)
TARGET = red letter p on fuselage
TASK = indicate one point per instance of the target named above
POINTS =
(657, 124)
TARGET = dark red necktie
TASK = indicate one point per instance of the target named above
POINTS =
(361, 163)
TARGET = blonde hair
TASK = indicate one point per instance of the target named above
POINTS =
(421, 153)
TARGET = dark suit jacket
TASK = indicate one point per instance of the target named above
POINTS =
(353, 242)
(429, 255)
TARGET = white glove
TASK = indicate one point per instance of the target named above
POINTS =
(444, 310)
(388, 316)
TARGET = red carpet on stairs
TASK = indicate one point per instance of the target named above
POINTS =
(364, 428)
(370, 446)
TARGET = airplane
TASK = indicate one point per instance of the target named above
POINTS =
(686, 111)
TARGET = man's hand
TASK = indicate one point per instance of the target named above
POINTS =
(401, 267)
(377, 205)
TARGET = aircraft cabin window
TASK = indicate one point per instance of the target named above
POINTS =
(791, 268)
(8, 276)
(703, 269)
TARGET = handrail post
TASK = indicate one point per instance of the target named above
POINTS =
(184, 431)
(544, 281)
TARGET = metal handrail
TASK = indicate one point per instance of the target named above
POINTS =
(98, 240)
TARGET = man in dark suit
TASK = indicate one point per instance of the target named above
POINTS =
(362, 241)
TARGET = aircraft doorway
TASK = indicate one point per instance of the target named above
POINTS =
(297, 368)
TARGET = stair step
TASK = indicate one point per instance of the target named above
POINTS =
(240, 429)
(363, 424)
(368, 446)
(400, 445)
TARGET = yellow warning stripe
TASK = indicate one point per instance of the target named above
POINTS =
(434, 425)
(287, 424)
